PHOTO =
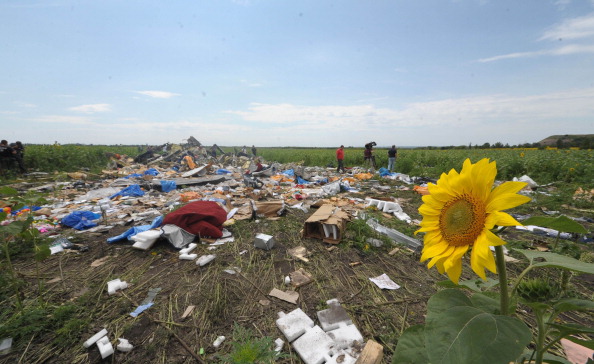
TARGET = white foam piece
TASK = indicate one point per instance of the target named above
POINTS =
(314, 346)
(345, 336)
(278, 345)
(218, 341)
(144, 245)
(188, 249)
(94, 338)
(116, 285)
(105, 347)
(124, 345)
(294, 323)
(188, 256)
(205, 259)
(341, 357)
(392, 207)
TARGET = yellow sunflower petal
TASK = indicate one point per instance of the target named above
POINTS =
(430, 201)
(484, 178)
(508, 187)
(426, 210)
(506, 201)
(441, 257)
(453, 264)
(494, 240)
(433, 250)
(500, 219)
(481, 257)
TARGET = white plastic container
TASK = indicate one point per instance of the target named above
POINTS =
(95, 338)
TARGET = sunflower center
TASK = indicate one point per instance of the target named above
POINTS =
(462, 220)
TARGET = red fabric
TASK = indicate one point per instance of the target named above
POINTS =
(202, 218)
(340, 154)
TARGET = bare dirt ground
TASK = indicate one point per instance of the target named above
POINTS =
(222, 299)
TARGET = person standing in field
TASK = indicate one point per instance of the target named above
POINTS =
(340, 159)
(392, 152)
(254, 150)
(369, 158)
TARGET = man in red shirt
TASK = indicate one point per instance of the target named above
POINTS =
(340, 159)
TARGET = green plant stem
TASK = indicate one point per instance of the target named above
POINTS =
(504, 297)
(519, 279)
(13, 276)
(541, 336)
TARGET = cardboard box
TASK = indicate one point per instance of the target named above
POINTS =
(328, 224)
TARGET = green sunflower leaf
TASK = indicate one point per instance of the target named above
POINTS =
(465, 334)
(487, 302)
(561, 223)
(411, 346)
(573, 304)
(446, 299)
(569, 329)
(556, 260)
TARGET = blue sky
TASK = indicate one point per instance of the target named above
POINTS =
(296, 73)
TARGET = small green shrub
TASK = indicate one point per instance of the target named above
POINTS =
(247, 349)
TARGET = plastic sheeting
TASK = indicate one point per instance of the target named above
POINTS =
(137, 229)
(133, 190)
(80, 220)
(168, 186)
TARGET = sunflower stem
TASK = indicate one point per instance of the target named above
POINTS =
(504, 297)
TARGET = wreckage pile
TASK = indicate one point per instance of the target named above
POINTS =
(188, 198)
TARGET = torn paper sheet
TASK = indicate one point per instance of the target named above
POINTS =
(384, 282)
(289, 296)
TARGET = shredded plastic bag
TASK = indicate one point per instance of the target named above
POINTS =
(80, 220)
(133, 190)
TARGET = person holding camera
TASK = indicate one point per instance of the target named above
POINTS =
(368, 154)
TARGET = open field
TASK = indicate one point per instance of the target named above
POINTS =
(65, 301)
(544, 166)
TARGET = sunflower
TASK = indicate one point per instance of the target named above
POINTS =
(459, 213)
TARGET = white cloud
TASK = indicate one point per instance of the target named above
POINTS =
(91, 108)
(64, 119)
(581, 28)
(158, 94)
(24, 104)
(460, 112)
(576, 28)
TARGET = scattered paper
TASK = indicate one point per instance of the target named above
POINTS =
(188, 311)
(288, 296)
(384, 282)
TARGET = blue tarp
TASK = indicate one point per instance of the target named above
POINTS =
(137, 229)
(167, 186)
(151, 171)
(133, 190)
(301, 181)
(289, 172)
(80, 220)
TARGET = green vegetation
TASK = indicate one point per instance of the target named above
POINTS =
(69, 158)
(248, 349)
(542, 165)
